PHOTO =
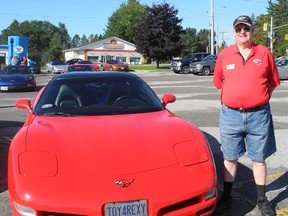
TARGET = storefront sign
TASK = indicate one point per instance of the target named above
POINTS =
(112, 46)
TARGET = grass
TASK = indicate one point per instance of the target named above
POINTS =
(148, 67)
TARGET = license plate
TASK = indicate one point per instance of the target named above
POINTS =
(4, 88)
(122, 68)
(133, 208)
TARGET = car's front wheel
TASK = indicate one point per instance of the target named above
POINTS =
(185, 69)
(206, 71)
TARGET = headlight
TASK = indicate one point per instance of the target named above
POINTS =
(190, 153)
(23, 210)
(210, 194)
(41, 164)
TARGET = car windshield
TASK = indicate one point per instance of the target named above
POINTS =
(97, 96)
(59, 63)
(15, 70)
(209, 58)
(85, 62)
(114, 62)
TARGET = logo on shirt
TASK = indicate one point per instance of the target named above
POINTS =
(257, 61)
(230, 66)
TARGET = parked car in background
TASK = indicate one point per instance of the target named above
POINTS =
(56, 67)
(84, 62)
(78, 67)
(17, 77)
(35, 67)
(73, 61)
(105, 144)
(182, 65)
(282, 65)
(205, 67)
(114, 65)
(87, 62)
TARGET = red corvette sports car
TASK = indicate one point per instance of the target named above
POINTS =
(103, 144)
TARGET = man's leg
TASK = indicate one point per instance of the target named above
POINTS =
(260, 172)
(229, 174)
(260, 175)
(230, 170)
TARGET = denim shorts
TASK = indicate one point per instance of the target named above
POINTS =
(247, 131)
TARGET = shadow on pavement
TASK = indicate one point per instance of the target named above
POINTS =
(279, 183)
(7, 131)
(244, 191)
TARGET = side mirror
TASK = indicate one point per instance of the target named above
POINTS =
(24, 104)
(168, 98)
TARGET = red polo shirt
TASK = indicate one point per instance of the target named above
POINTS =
(246, 84)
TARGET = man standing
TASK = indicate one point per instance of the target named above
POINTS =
(246, 75)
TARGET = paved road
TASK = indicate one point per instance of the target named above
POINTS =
(197, 102)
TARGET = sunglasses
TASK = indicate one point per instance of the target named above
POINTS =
(245, 28)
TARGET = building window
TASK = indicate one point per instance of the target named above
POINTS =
(122, 59)
(93, 59)
(134, 60)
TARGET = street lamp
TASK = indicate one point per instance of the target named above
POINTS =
(217, 41)
(212, 26)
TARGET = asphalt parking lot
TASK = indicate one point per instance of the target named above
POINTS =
(197, 102)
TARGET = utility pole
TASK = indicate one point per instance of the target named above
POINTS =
(271, 35)
(212, 26)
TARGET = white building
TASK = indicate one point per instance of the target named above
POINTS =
(103, 50)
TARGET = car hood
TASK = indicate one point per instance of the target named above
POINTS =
(118, 144)
(202, 62)
(14, 77)
(120, 64)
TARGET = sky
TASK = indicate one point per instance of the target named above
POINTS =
(91, 16)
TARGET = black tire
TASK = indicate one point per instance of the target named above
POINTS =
(185, 69)
(206, 71)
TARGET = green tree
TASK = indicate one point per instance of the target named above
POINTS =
(158, 36)
(76, 41)
(203, 40)
(91, 38)
(223, 46)
(13, 29)
(123, 22)
(189, 41)
(279, 12)
(260, 36)
(64, 36)
(193, 41)
(84, 40)
(46, 41)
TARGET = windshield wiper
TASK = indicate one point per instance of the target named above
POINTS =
(56, 114)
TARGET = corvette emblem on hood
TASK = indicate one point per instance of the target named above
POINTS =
(123, 182)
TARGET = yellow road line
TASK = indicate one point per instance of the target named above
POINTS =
(276, 175)
(282, 212)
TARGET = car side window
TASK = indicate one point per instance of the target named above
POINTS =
(283, 63)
